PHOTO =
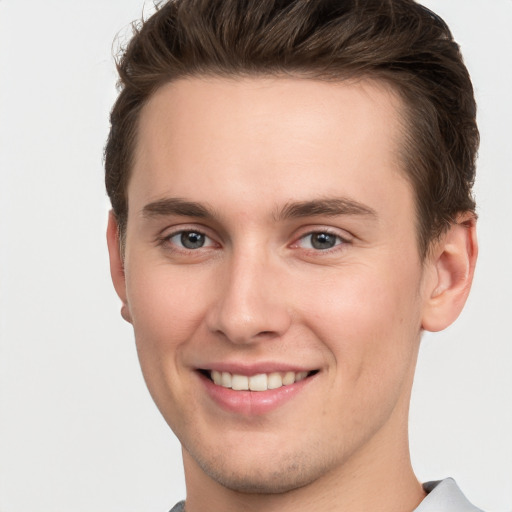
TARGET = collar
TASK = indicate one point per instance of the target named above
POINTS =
(445, 496)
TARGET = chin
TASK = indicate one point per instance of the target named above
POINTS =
(262, 475)
(259, 482)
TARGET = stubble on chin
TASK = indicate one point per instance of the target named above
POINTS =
(279, 475)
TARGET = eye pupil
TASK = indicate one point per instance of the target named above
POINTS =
(192, 240)
(323, 240)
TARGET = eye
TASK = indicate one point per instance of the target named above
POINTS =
(190, 240)
(320, 241)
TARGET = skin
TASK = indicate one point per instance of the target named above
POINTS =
(259, 291)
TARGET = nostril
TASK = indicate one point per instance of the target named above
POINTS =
(267, 334)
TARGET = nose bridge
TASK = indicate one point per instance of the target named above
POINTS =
(250, 306)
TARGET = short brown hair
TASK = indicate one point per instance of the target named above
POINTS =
(397, 41)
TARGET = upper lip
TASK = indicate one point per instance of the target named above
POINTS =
(255, 368)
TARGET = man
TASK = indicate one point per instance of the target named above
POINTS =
(291, 192)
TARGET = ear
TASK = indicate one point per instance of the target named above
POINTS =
(117, 264)
(452, 266)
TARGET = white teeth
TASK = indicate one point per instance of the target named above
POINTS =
(274, 381)
(240, 382)
(288, 378)
(300, 376)
(259, 382)
(225, 379)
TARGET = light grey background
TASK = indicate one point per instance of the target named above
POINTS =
(78, 431)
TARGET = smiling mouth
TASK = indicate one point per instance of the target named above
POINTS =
(258, 382)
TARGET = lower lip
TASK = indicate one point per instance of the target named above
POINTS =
(253, 403)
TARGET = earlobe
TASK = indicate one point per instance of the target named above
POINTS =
(117, 264)
(452, 264)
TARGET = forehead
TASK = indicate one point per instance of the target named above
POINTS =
(280, 137)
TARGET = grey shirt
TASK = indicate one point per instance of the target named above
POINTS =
(443, 496)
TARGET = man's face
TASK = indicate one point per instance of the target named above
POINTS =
(271, 234)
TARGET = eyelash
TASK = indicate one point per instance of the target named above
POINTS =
(167, 240)
(339, 241)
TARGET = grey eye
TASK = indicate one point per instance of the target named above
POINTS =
(192, 239)
(322, 241)
(188, 240)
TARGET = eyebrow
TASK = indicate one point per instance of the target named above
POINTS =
(176, 206)
(329, 207)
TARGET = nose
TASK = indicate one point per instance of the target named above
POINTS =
(251, 303)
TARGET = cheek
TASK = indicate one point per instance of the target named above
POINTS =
(374, 350)
(369, 321)
(166, 310)
(166, 307)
